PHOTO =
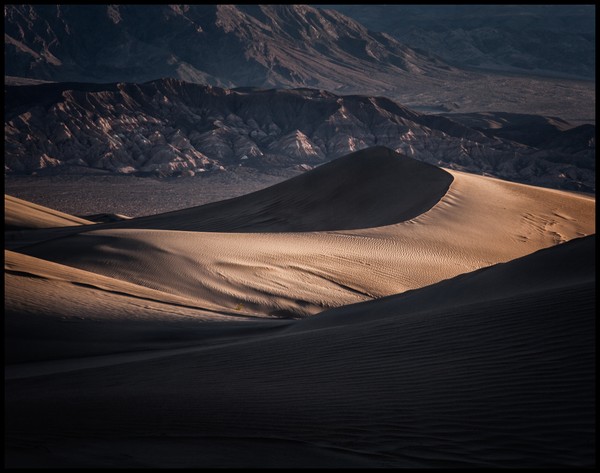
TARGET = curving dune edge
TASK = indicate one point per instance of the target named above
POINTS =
(448, 322)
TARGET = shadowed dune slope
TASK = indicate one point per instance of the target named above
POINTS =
(54, 311)
(20, 214)
(368, 188)
(505, 382)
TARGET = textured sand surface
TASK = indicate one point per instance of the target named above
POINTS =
(477, 222)
(448, 323)
(505, 383)
(54, 311)
(20, 214)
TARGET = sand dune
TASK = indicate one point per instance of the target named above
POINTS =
(570, 265)
(477, 222)
(158, 341)
(54, 311)
(369, 188)
(20, 214)
(106, 217)
(364, 189)
(506, 382)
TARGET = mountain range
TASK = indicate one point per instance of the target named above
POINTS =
(170, 127)
(557, 40)
(226, 45)
(290, 46)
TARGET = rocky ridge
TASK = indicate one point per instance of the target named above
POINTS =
(224, 45)
(170, 127)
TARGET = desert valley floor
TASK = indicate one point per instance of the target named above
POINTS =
(375, 311)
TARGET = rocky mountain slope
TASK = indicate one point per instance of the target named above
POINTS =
(228, 45)
(290, 46)
(543, 39)
(170, 127)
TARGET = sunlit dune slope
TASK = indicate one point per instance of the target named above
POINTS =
(55, 311)
(20, 214)
(558, 269)
(477, 222)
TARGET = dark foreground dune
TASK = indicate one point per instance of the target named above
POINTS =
(499, 381)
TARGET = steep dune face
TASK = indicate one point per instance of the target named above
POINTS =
(20, 214)
(369, 188)
(485, 383)
(476, 223)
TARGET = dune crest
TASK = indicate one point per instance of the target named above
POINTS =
(475, 223)
(368, 188)
(22, 215)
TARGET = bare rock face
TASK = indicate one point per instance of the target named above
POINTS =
(224, 45)
(409, 53)
(170, 127)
